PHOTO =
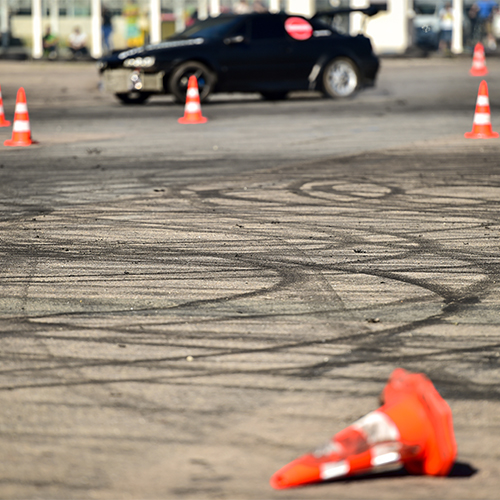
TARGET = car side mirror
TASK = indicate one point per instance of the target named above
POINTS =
(234, 40)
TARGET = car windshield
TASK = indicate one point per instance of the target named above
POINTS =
(213, 27)
(425, 8)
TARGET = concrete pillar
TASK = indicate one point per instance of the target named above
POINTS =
(214, 8)
(411, 27)
(202, 9)
(180, 22)
(305, 8)
(4, 23)
(274, 5)
(155, 21)
(356, 19)
(36, 19)
(4, 16)
(457, 42)
(96, 24)
(401, 11)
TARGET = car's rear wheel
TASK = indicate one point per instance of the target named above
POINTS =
(340, 78)
(178, 81)
(133, 97)
(274, 96)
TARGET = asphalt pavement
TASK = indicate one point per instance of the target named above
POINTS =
(185, 309)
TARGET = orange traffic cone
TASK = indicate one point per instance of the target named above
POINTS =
(481, 127)
(412, 429)
(192, 110)
(478, 61)
(21, 133)
(3, 121)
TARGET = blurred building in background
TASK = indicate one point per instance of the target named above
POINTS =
(26, 21)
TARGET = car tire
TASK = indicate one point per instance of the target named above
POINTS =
(133, 97)
(178, 81)
(340, 78)
(274, 96)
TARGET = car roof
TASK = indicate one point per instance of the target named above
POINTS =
(230, 15)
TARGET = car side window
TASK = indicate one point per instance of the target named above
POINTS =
(267, 27)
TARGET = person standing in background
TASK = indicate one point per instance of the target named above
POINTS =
(446, 28)
(472, 15)
(485, 11)
(107, 30)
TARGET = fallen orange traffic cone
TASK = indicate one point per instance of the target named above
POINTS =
(3, 121)
(21, 133)
(481, 127)
(192, 110)
(413, 429)
(478, 61)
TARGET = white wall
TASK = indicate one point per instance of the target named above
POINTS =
(356, 19)
(305, 8)
(389, 31)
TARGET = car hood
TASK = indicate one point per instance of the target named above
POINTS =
(118, 57)
(167, 44)
(426, 20)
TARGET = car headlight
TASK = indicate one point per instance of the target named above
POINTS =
(136, 80)
(139, 62)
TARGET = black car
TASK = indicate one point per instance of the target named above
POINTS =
(268, 53)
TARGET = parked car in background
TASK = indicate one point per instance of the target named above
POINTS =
(426, 23)
(427, 26)
(268, 53)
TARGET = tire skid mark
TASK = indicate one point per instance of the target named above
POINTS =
(367, 350)
(281, 239)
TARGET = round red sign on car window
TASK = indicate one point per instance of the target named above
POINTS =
(298, 28)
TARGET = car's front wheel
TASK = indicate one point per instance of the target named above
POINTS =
(340, 78)
(133, 97)
(179, 78)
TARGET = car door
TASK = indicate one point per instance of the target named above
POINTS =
(257, 56)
